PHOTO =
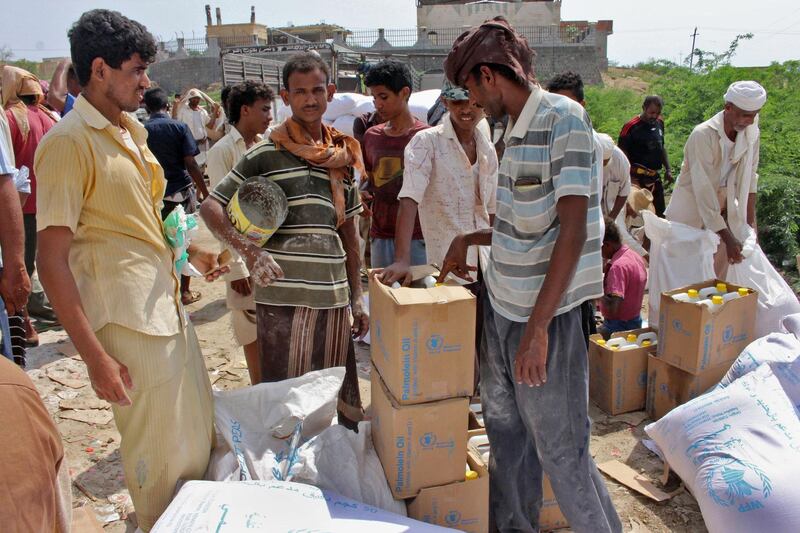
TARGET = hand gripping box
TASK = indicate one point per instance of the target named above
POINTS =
(696, 338)
(423, 340)
(420, 445)
(618, 378)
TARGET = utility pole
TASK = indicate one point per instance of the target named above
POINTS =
(691, 56)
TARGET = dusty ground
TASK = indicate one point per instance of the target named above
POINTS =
(92, 442)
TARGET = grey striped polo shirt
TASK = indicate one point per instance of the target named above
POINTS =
(307, 246)
(549, 154)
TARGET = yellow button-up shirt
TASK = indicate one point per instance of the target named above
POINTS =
(110, 198)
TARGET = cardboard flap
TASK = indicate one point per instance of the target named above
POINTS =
(437, 295)
(634, 480)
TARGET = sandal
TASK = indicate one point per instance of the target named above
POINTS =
(190, 297)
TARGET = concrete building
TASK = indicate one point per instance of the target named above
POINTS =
(457, 13)
(236, 34)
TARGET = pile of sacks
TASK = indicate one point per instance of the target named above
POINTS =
(737, 447)
(346, 107)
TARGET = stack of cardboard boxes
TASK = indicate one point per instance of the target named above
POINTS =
(423, 353)
(696, 346)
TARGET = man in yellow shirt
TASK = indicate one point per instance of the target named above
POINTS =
(110, 272)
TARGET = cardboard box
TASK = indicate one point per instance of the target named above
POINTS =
(423, 340)
(618, 379)
(463, 505)
(420, 445)
(694, 339)
(669, 386)
(550, 515)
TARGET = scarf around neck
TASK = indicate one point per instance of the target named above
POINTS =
(335, 152)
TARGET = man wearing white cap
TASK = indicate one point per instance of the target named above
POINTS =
(717, 186)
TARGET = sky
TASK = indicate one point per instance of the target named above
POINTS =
(643, 29)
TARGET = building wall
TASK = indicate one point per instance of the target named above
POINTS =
(233, 31)
(180, 74)
(517, 13)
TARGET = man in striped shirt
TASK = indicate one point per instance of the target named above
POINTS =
(545, 261)
(307, 275)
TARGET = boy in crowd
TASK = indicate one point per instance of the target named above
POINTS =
(624, 284)
(249, 109)
(390, 83)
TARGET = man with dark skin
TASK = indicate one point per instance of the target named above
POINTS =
(311, 294)
(64, 87)
(545, 262)
(642, 141)
(718, 184)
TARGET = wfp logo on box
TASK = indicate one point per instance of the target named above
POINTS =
(436, 344)
(677, 325)
(453, 518)
(428, 440)
(728, 337)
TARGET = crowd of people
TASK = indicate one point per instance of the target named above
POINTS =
(510, 190)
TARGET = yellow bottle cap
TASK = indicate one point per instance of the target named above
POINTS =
(692, 293)
(615, 347)
(743, 291)
(716, 300)
(601, 342)
(631, 337)
(471, 475)
(646, 343)
(722, 287)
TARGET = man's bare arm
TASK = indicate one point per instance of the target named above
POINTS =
(109, 377)
(619, 203)
(348, 232)
(57, 94)
(197, 176)
(263, 268)
(15, 285)
(404, 230)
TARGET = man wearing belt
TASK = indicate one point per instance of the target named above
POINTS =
(642, 141)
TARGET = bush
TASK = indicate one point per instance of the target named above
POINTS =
(779, 218)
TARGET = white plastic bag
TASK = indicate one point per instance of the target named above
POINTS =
(273, 506)
(284, 431)
(345, 124)
(775, 347)
(776, 300)
(420, 103)
(679, 255)
(737, 450)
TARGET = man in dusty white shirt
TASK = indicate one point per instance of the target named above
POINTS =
(450, 177)
(198, 119)
(718, 184)
(250, 113)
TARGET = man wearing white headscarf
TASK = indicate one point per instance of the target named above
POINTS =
(718, 183)
(189, 111)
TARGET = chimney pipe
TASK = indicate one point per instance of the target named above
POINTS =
(252, 14)
(219, 17)
(208, 15)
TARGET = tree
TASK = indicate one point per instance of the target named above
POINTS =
(6, 54)
(708, 61)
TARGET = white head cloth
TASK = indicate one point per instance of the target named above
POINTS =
(746, 95)
(607, 144)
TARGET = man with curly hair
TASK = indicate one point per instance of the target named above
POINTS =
(110, 272)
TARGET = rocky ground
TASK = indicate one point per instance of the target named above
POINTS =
(92, 442)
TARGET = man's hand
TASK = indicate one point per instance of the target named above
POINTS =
(530, 363)
(733, 248)
(110, 379)
(668, 176)
(399, 271)
(455, 261)
(263, 268)
(15, 287)
(242, 286)
(360, 320)
(207, 263)
(366, 198)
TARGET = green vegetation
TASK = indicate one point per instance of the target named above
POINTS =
(692, 97)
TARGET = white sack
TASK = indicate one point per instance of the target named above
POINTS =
(345, 124)
(284, 431)
(273, 506)
(343, 104)
(776, 300)
(679, 255)
(420, 102)
(737, 450)
(365, 106)
(775, 347)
